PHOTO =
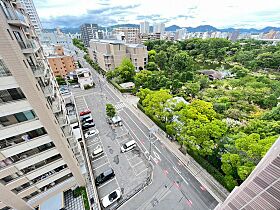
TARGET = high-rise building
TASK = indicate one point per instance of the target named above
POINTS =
(30, 9)
(159, 28)
(261, 190)
(88, 32)
(180, 34)
(38, 154)
(110, 53)
(129, 35)
(144, 27)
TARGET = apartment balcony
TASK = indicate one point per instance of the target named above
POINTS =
(63, 183)
(56, 106)
(62, 119)
(38, 71)
(67, 131)
(29, 47)
(15, 18)
(48, 90)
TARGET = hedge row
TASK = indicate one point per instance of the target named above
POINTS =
(122, 90)
(204, 163)
(81, 191)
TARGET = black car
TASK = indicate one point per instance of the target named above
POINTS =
(84, 118)
(104, 177)
(86, 126)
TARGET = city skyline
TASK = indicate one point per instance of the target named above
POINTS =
(188, 13)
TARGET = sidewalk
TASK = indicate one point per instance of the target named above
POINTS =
(213, 186)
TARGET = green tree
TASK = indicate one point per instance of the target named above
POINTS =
(161, 59)
(151, 55)
(110, 110)
(152, 66)
(126, 70)
(182, 62)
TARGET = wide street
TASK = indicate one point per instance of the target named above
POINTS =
(172, 186)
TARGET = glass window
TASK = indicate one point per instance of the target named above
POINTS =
(17, 118)
(4, 71)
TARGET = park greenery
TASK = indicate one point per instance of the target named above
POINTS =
(231, 122)
(226, 124)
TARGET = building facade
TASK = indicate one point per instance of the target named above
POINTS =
(129, 35)
(261, 190)
(159, 28)
(110, 53)
(57, 38)
(144, 27)
(88, 32)
(38, 155)
(30, 9)
(60, 63)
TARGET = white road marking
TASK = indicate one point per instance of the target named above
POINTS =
(107, 182)
(98, 158)
(142, 171)
(100, 166)
(137, 163)
(179, 173)
(157, 155)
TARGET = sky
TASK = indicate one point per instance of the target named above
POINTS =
(185, 13)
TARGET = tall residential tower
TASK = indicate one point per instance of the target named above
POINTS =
(30, 9)
(88, 32)
(37, 154)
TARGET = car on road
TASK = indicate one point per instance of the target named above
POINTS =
(111, 198)
(104, 177)
(86, 111)
(87, 126)
(91, 133)
(128, 146)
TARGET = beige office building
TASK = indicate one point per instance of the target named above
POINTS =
(110, 53)
(261, 190)
(60, 63)
(37, 153)
(129, 35)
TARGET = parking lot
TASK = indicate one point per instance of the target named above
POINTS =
(131, 168)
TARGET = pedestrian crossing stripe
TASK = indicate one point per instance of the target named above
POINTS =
(119, 105)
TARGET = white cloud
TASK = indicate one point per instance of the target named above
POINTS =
(219, 13)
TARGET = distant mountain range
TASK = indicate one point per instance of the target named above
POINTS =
(202, 28)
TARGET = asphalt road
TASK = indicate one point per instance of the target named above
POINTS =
(173, 187)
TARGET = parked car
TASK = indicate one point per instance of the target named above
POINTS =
(128, 146)
(86, 111)
(88, 120)
(104, 177)
(98, 151)
(91, 133)
(86, 126)
(83, 118)
(111, 198)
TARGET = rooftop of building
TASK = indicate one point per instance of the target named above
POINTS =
(116, 41)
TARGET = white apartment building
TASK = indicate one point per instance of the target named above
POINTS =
(30, 9)
(144, 27)
(110, 53)
(129, 35)
(57, 38)
(39, 157)
(159, 28)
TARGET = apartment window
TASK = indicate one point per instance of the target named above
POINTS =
(11, 95)
(19, 39)
(23, 137)
(4, 71)
(17, 118)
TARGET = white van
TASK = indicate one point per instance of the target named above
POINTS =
(128, 146)
(97, 152)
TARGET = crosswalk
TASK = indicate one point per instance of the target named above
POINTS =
(119, 105)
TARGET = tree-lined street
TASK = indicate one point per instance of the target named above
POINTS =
(172, 184)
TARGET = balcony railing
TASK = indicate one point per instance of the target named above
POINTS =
(38, 71)
(15, 17)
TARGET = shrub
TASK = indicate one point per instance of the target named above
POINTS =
(86, 87)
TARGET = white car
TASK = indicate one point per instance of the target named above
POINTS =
(111, 198)
(91, 133)
(76, 86)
